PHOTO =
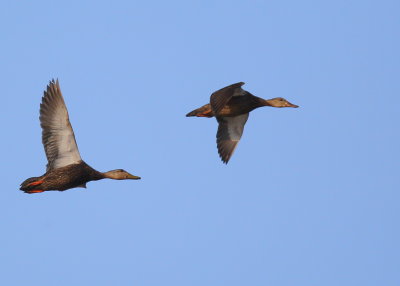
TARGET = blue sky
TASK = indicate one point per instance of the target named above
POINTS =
(309, 197)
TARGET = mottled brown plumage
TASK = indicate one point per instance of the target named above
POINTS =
(231, 106)
(65, 168)
(64, 178)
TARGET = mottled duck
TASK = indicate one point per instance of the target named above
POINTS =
(65, 168)
(231, 106)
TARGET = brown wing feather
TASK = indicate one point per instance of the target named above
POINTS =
(230, 130)
(221, 97)
(57, 135)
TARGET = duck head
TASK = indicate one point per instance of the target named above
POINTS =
(279, 102)
(120, 174)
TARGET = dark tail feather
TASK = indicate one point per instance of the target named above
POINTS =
(31, 184)
(192, 113)
(204, 111)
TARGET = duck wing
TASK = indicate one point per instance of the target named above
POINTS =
(57, 135)
(230, 130)
(221, 97)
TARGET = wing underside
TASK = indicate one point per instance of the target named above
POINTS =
(230, 130)
(57, 135)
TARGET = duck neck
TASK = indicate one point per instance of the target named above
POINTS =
(265, 102)
(262, 102)
(93, 174)
(108, 175)
(97, 176)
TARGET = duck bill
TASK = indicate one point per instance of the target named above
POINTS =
(132, 177)
(288, 104)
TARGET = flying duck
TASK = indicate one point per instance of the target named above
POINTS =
(65, 168)
(231, 106)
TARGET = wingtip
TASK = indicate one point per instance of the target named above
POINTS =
(225, 160)
(190, 114)
(224, 157)
(53, 82)
(240, 83)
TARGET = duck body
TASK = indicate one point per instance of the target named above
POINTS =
(65, 168)
(240, 105)
(61, 179)
(231, 106)
(236, 106)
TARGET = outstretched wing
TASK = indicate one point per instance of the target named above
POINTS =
(230, 130)
(57, 135)
(221, 97)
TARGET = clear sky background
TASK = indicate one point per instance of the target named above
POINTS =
(310, 196)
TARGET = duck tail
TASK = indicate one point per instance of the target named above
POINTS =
(32, 185)
(204, 111)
